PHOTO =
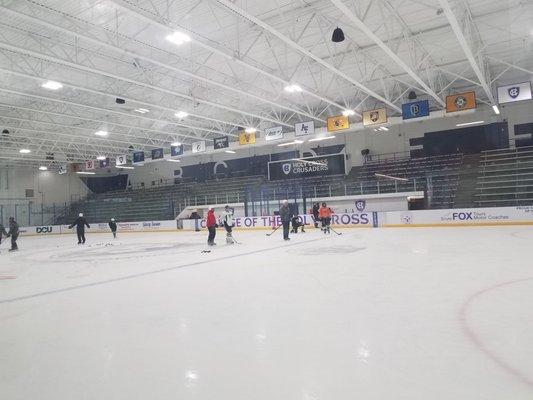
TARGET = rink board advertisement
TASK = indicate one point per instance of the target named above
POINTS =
(349, 220)
(103, 227)
(459, 217)
(334, 164)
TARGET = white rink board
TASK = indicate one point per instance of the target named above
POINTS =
(140, 226)
(459, 217)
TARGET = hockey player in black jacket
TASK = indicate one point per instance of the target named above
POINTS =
(80, 225)
(13, 232)
(113, 227)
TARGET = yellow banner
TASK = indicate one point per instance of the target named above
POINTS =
(375, 117)
(246, 138)
(338, 123)
(461, 102)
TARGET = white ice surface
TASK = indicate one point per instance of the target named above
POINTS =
(372, 314)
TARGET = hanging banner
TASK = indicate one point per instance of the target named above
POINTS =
(275, 133)
(104, 163)
(198, 147)
(309, 166)
(514, 92)
(461, 102)
(138, 157)
(157, 154)
(338, 123)
(221, 142)
(63, 169)
(375, 117)
(121, 160)
(416, 109)
(304, 128)
(246, 138)
(89, 165)
(176, 150)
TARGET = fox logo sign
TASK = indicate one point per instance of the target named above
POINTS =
(462, 216)
(286, 169)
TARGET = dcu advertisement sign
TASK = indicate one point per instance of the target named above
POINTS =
(309, 166)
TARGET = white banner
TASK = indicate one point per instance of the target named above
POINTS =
(198, 147)
(121, 160)
(304, 128)
(101, 227)
(275, 133)
(63, 169)
(515, 92)
(89, 164)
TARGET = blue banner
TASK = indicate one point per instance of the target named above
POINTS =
(176, 150)
(138, 157)
(416, 109)
(157, 154)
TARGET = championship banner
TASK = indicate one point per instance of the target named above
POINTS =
(304, 128)
(375, 117)
(416, 109)
(246, 138)
(198, 147)
(121, 160)
(309, 166)
(157, 154)
(221, 142)
(138, 157)
(89, 164)
(104, 163)
(461, 102)
(514, 92)
(275, 133)
(338, 123)
(63, 169)
(176, 150)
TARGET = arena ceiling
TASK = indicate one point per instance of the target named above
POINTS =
(235, 62)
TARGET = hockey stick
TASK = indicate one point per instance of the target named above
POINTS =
(277, 227)
(334, 231)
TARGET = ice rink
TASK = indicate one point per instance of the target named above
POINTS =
(418, 313)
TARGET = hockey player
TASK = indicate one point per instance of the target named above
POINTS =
(228, 223)
(13, 233)
(315, 212)
(325, 217)
(80, 224)
(2, 232)
(113, 227)
(295, 222)
(286, 216)
(211, 224)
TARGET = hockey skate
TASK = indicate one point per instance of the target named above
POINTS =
(229, 238)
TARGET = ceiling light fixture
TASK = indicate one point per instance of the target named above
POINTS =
(348, 113)
(290, 143)
(178, 38)
(86, 173)
(43, 168)
(124, 167)
(101, 133)
(24, 151)
(230, 151)
(142, 110)
(250, 130)
(52, 85)
(175, 144)
(319, 139)
(470, 123)
(101, 158)
(496, 109)
(172, 160)
(293, 88)
(384, 128)
(181, 114)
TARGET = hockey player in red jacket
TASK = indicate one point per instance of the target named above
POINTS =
(211, 224)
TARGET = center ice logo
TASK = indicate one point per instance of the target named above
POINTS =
(286, 168)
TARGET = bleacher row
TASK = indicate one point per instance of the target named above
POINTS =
(436, 175)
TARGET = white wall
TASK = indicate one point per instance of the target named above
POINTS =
(49, 187)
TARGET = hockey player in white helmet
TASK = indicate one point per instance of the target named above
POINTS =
(228, 222)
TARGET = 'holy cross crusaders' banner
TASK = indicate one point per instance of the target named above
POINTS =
(514, 92)
(333, 164)
(417, 109)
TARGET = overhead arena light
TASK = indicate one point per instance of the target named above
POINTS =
(319, 139)
(172, 160)
(470, 123)
(496, 109)
(348, 113)
(43, 168)
(124, 167)
(384, 128)
(230, 151)
(293, 88)
(181, 114)
(24, 151)
(178, 38)
(250, 130)
(175, 144)
(86, 173)
(142, 110)
(101, 158)
(52, 85)
(101, 133)
(290, 143)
